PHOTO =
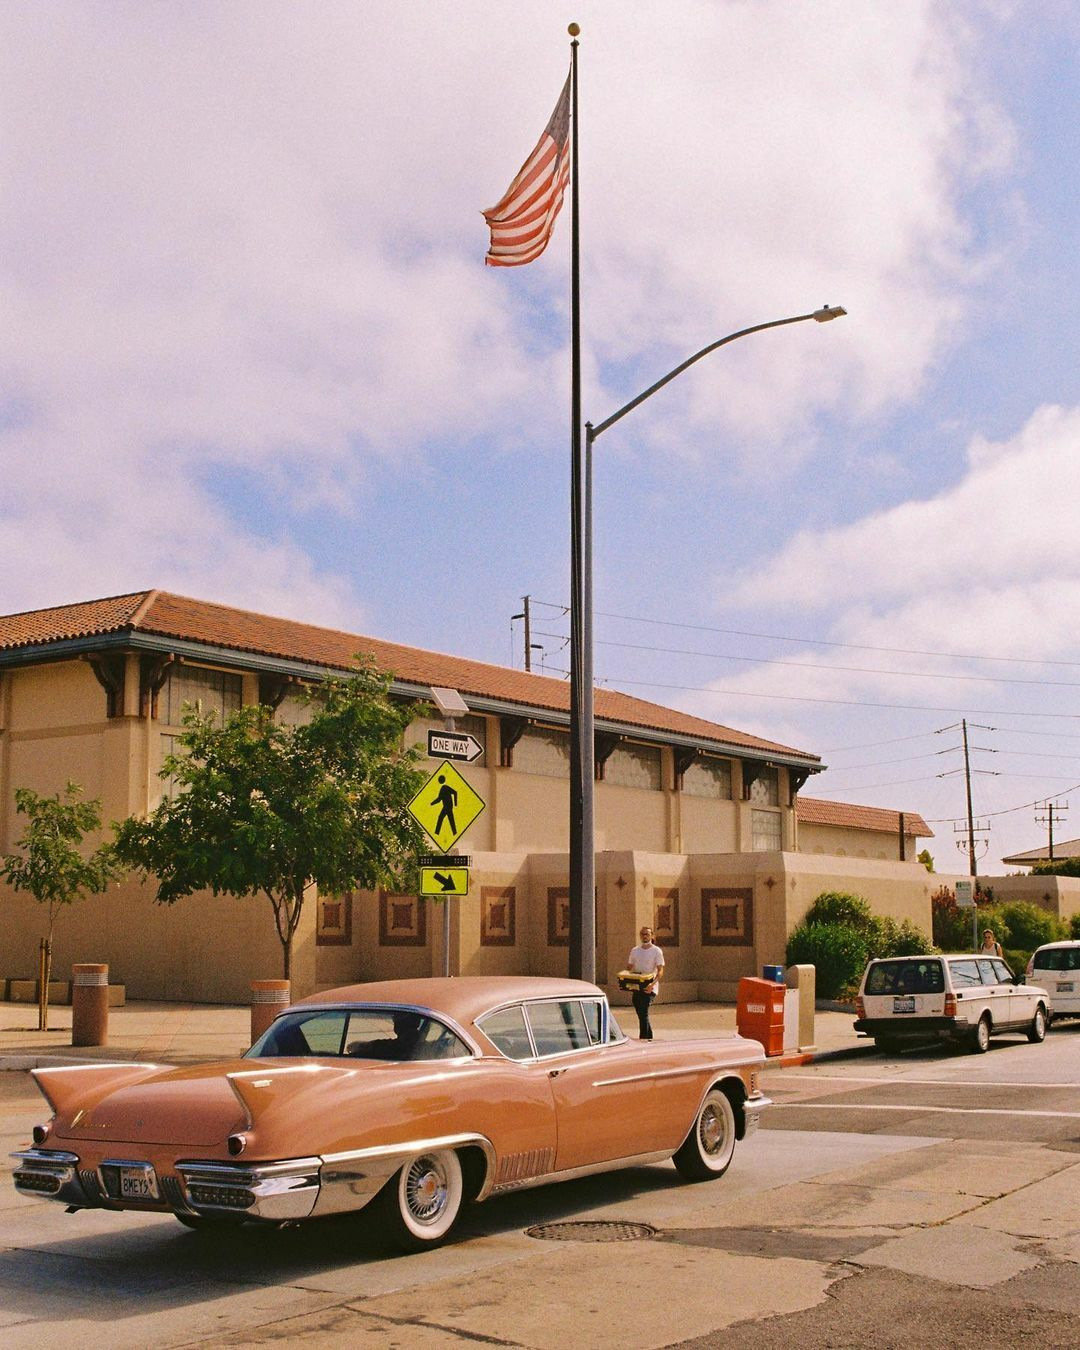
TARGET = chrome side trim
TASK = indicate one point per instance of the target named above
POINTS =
(350, 1180)
(654, 1074)
(752, 1109)
(571, 1173)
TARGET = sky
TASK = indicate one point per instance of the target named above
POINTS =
(249, 352)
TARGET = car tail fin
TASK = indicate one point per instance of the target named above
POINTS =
(66, 1087)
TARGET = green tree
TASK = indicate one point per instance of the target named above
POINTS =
(52, 865)
(926, 858)
(840, 933)
(1057, 867)
(261, 809)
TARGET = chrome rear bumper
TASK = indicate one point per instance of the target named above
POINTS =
(297, 1188)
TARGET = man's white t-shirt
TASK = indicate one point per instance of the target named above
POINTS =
(647, 960)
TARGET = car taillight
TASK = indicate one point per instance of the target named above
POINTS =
(1029, 969)
(860, 1007)
(950, 1005)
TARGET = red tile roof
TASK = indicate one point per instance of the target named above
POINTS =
(814, 811)
(198, 621)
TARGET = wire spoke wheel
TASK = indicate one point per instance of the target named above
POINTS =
(708, 1148)
(422, 1202)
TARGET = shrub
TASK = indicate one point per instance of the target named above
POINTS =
(1028, 926)
(838, 951)
(839, 935)
(840, 907)
(951, 925)
(1074, 927)
(1057, 867)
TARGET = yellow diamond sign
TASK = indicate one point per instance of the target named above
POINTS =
(446, 806)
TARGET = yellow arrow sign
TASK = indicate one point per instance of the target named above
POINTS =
(444, 881)
(446, 805)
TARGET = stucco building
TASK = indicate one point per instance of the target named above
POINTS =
(699, 827)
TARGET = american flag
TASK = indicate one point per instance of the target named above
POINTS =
(522, 222)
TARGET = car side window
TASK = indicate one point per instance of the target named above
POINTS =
(558, 1027)
(506, 1030)
(965, 974)
(1004, 974)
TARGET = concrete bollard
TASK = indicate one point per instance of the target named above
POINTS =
(89, 1005)
(803, 979)
(268, 997)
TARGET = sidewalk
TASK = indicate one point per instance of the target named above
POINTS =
(185, 1033)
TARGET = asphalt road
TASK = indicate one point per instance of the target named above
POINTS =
(930, 1198)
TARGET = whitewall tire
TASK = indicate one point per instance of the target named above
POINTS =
(707, 1150)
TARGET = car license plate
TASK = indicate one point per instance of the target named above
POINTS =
(1065, 988)
(138, 1183)
(903, 1005)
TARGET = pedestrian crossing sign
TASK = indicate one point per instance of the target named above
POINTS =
(446, 806)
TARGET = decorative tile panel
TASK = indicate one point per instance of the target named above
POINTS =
(558, 916)
(727, 916)
(666, 916)
(402, 920)
(334, 923)
(497, 916)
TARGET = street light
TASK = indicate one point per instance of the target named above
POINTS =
(582, 849)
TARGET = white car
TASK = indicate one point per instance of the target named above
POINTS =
(960, 998)
(1056, 968)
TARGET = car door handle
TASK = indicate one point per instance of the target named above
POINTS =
(554, 1073)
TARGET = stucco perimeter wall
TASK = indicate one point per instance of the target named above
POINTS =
(780, 888)
(1057, 895)
(202, 949)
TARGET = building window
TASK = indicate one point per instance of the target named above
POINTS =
(213, 691)
(766, 831)
(765, 788)
(708, 776)
(543, 751)
(636, 766)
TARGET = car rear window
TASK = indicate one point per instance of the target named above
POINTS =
(1058, 958)
(905, 977)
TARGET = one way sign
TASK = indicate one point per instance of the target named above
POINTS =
(453, 745)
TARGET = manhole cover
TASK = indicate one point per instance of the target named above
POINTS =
(597, 1230)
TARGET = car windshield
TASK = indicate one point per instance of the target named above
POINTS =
(1058, 958)
(362, 1033)
(910, 976)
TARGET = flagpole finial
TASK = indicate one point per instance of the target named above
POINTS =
(574, 30)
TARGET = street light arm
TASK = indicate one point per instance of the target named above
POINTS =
(821, 315)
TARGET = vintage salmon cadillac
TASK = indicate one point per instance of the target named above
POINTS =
(415, 1096)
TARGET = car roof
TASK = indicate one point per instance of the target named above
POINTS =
(463, 997)
(1054, 946)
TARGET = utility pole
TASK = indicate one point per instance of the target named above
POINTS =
(1048, 820)
(530, 645)
(970, 817)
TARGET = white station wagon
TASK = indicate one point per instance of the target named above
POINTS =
(1055, 967)
(961, 998)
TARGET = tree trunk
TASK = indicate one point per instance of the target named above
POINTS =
(286, 952)
(44, 975)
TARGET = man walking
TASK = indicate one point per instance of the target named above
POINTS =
(646, 959)
(446, 801)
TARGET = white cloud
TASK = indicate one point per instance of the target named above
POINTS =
(249, 235)
(996, 554)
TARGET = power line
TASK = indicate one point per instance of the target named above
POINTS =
(837, 702)
(818, 642)
(1009, 810)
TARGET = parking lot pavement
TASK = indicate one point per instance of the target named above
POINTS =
(186, 1033)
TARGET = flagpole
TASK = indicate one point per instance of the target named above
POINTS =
(582, 848)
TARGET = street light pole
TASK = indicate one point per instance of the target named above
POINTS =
(582, 847)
